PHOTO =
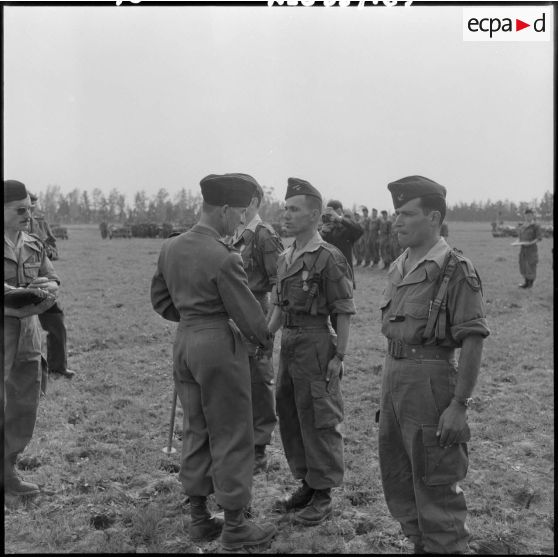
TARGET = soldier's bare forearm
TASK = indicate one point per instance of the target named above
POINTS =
(274, 322)
(469, 366)
(343, 330)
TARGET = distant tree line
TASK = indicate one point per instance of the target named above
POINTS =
(81, 206)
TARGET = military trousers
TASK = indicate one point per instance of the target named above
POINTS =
(374, 248)
(309, 411)
(420, 478)
(385, 251)
(528, 260)
(212, 378)
(52, 321)
(22, 382)
(263, 394)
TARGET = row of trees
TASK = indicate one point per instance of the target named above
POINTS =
(183, 208)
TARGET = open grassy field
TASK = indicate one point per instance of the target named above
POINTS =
(108, 488)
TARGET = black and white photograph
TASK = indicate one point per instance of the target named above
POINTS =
(278, 278)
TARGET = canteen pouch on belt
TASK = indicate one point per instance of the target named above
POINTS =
(444, 466)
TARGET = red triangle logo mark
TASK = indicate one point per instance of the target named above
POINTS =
(519, 25)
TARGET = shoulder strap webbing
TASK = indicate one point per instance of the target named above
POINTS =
(437, 310)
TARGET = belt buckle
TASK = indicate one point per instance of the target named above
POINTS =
(396, 348)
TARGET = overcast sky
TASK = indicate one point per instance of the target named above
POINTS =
(140, 98)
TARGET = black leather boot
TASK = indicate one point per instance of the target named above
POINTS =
(319, 509)
(298, 499)
(203, 527)
(15, 485)
(239, 532)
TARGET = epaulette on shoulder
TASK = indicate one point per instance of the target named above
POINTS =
(467, 269)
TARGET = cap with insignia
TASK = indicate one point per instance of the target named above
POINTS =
(234, 189)
(411, 187)
(299, 187)
(14, 191)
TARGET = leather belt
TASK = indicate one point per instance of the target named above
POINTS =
(304, 320)
(399, 349)
(190, 321)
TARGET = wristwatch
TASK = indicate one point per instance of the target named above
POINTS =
(465, 401)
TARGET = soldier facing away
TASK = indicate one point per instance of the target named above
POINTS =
(200, 282)
(432, 305)
(260, 246)
(313, 281)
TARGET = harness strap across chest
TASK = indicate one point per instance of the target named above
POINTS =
(437, 312)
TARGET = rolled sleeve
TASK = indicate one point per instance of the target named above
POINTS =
(339, 286)
(467, 312)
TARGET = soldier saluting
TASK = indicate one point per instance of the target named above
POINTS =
(200, 282)
(433, 304)
(313, 281)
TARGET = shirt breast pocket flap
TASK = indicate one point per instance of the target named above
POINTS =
(417, 310)
(31, 269)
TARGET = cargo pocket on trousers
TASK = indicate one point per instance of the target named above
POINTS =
(328, 406)
(443, 466)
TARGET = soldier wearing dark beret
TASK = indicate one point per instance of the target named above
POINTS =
(313, 282)
(27, 271)
(432, 305)
(260, 246)
(200, 282)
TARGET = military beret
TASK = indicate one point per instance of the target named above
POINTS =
(411, 187)
(14, 191)
(234, 189)
(299, 187)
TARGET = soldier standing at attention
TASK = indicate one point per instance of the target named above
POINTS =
(373, 238)
(433, 304)
(26, 265)
(365, 239)
(260, 247)
(200, 282)
(529, 234)
(52, 320)
(313, 281)
(384, 239)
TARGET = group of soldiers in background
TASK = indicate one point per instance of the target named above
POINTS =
(379, 239)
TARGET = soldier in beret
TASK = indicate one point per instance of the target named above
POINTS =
(26, 268)
(432, 305)
(200, 283)
(260, 246)
(313, 282)
(52, 321)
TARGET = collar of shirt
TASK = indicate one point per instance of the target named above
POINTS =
(18, 242)
(206, 229)
(436, 254)
(251, 226)
(293, 253)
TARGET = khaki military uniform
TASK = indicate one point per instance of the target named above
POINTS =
(529, 255)
(311, 284)
(419, 477)
(373, 240)
(260, 247)
(23, 263)
(200, 283)
(384, 240)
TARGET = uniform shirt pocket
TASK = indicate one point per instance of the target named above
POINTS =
(31, 270)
